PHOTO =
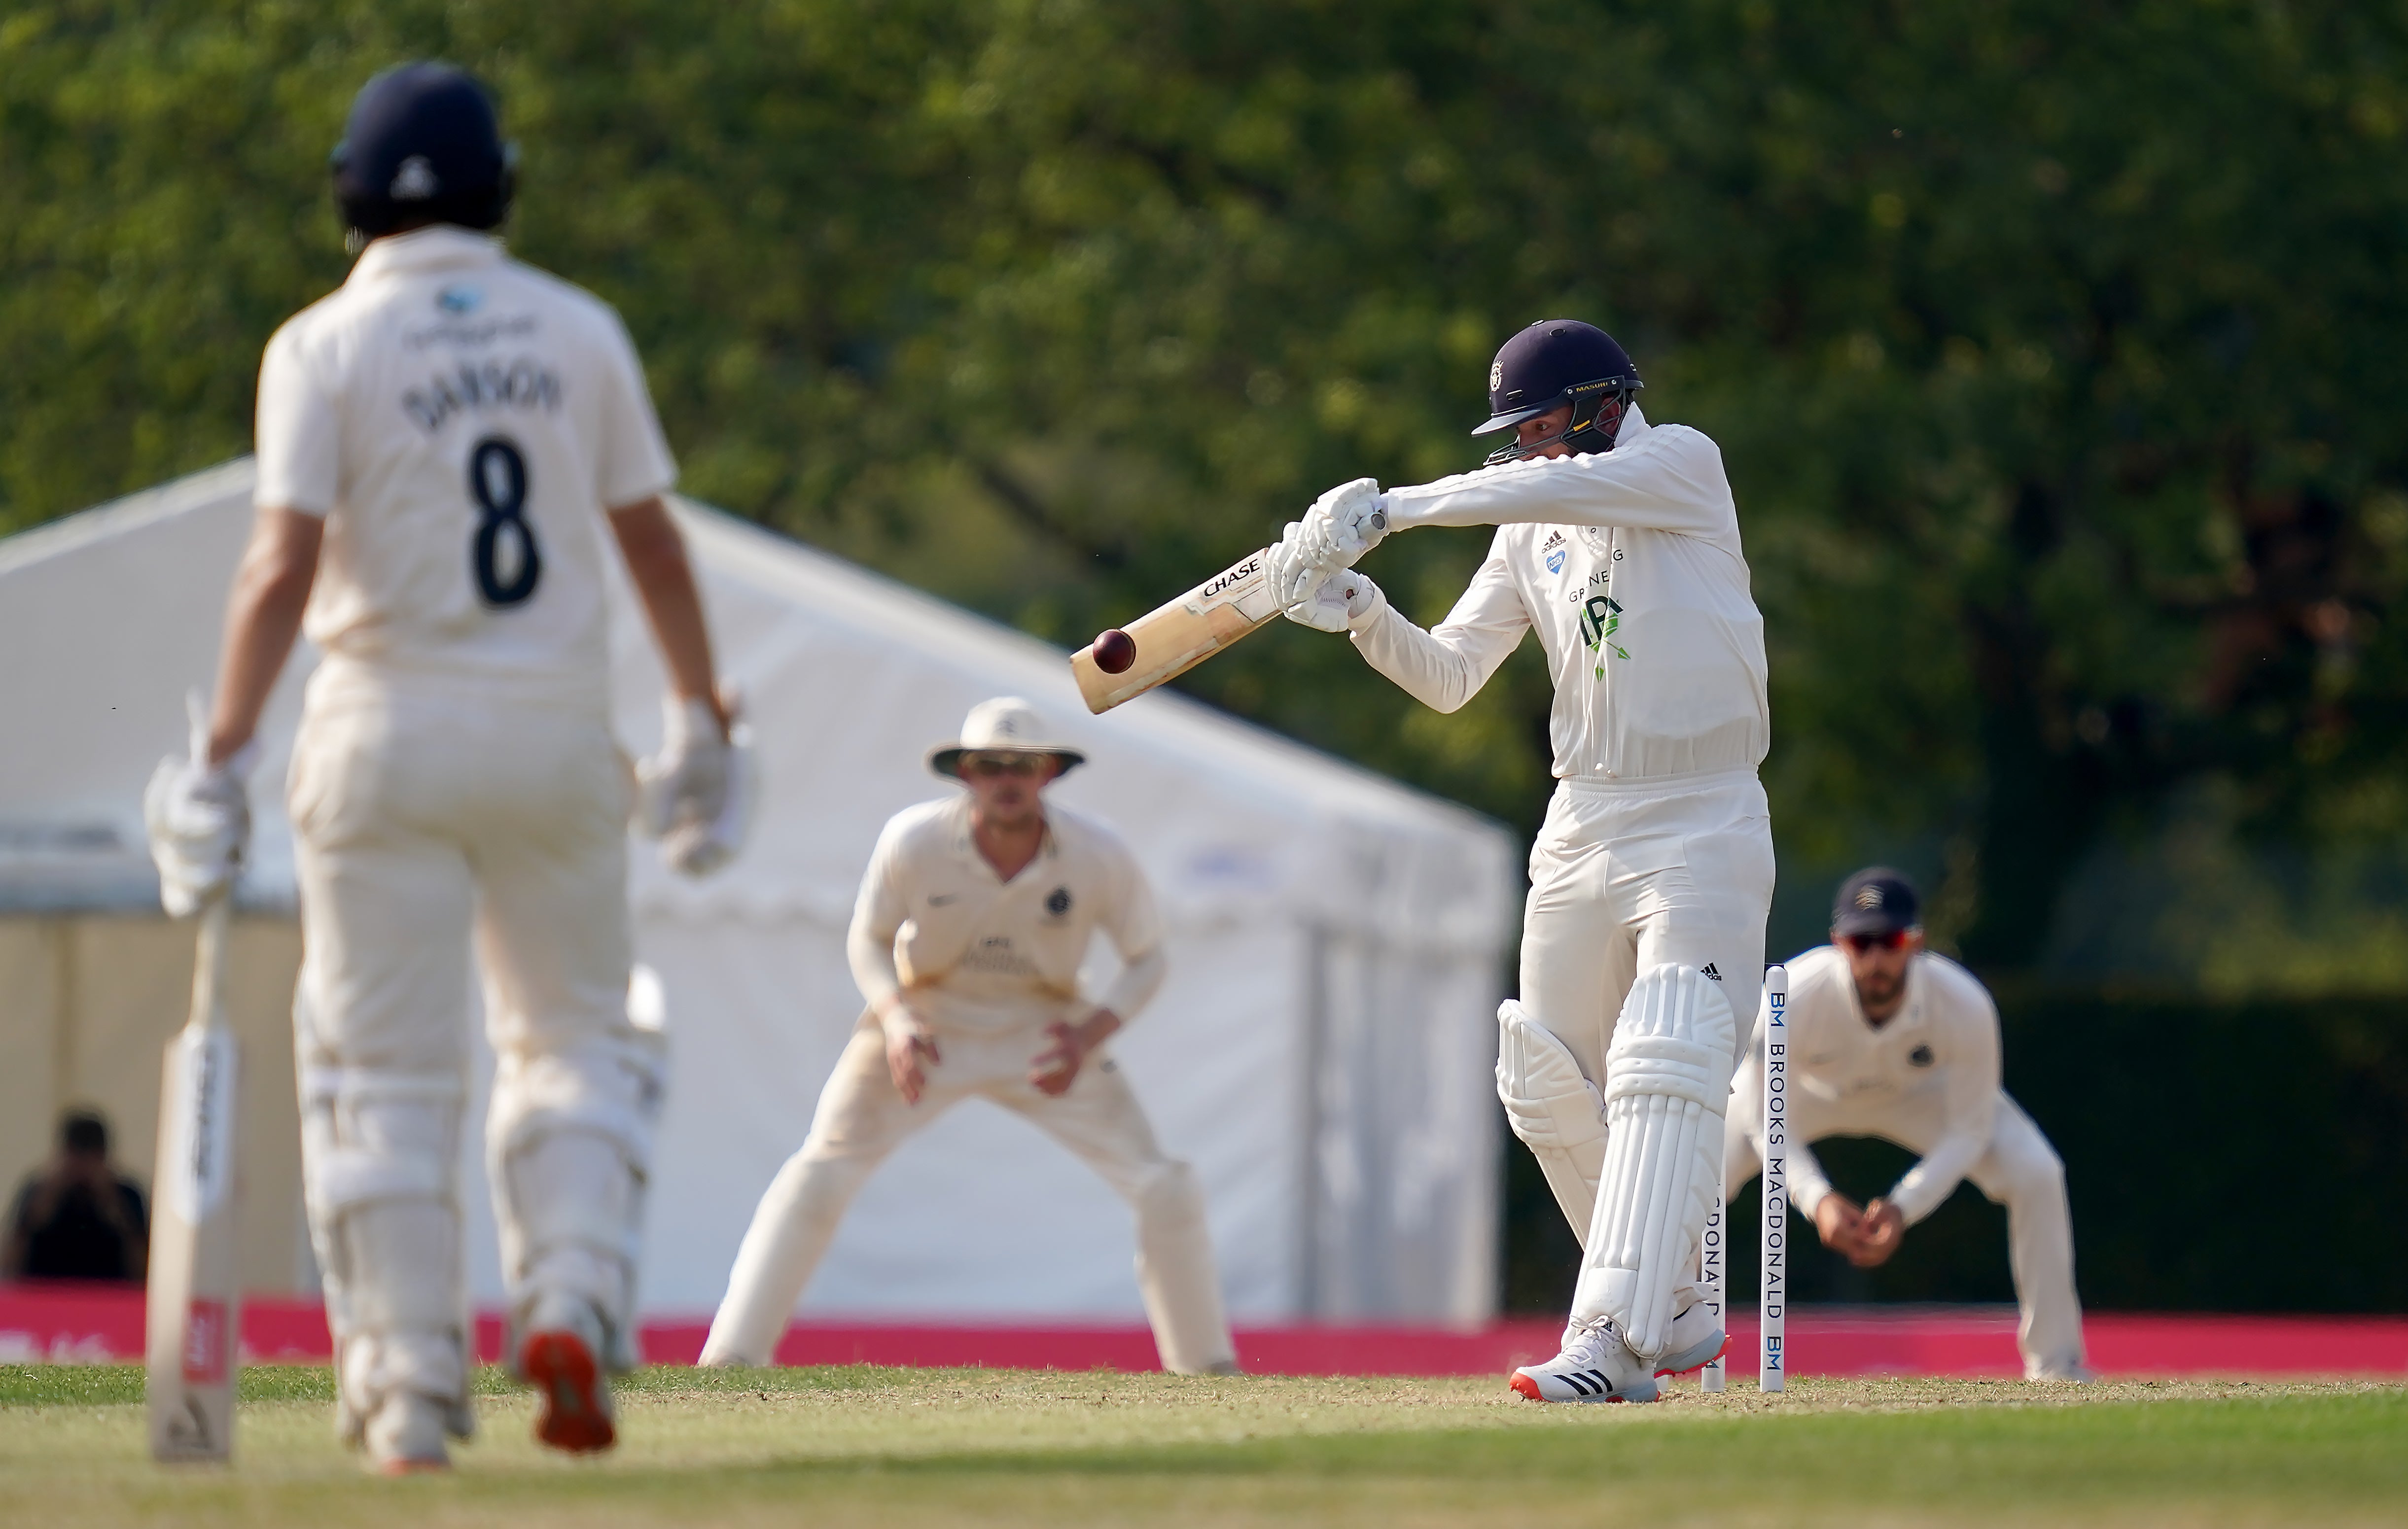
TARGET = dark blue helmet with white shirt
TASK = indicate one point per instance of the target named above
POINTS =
(424, 145)
(1553, 362)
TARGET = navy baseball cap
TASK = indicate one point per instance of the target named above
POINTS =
(1875, 900)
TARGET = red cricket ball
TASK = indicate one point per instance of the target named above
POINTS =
(1116, 651)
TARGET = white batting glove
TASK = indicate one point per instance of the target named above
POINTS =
(696, 796)
(1346, 522)
(1291, 567)
(1342, 600)
(198, 818)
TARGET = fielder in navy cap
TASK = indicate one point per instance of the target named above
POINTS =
(1890, 1040)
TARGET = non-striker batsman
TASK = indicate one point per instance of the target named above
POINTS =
(1642, 941)
(447, 446)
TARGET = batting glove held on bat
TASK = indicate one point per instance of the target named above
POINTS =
(1342, 601)
(1346, 522)
(198, 818)
(696, 796)
(1341, 526)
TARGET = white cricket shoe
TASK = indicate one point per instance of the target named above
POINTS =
(1595, 1366)
(561, 1356)
(405, 1435)
(1693, 1341)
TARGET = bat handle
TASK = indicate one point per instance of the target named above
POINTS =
(196, 722)
(209, 961)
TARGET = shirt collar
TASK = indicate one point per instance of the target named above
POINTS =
(967, 849)
(435, 248)
(1634, 426)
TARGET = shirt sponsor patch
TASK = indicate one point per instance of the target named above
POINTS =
(1920, 1056)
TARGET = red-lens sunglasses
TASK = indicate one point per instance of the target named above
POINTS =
(1891, 941)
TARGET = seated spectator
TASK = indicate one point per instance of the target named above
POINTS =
(78, 1218)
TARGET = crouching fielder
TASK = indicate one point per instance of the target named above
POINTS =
(1619, 543)
(1888, 1039)
(966, 940)
(438, 444)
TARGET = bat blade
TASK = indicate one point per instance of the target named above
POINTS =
(193, 1308)
(1182, 633)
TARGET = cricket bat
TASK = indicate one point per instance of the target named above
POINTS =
(193, 1309)
(1164, 644)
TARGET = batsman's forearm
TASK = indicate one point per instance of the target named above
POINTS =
(663, 579)
(271, 590)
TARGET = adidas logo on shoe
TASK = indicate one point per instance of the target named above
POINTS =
(1711, 972)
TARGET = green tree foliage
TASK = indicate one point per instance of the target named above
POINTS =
(2053, 349)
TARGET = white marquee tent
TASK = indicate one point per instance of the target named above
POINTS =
(1321, 1052)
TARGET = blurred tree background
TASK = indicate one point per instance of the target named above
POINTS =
(2054, 351)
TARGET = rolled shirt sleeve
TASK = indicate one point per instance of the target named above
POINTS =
(1970, 1106)
(297, 434)
(1445, 668)
(1670, 479)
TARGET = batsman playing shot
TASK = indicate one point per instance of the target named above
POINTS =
(448, 445)
(1642, 939)
(1889, 1039)
(973, 921)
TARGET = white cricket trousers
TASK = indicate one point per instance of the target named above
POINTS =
(1630, 875)
(862, 1118)
(423, 820)
(2020, 1171)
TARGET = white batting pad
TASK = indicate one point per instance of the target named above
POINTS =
(569, 1141)
(378, 1149)
(1555, 1110)
(1667, 1086)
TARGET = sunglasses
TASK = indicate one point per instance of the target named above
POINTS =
(993, 767)
(1892, 940)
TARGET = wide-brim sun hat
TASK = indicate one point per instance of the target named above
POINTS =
(1005, 725)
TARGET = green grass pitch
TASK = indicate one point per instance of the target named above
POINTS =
(871, 1446)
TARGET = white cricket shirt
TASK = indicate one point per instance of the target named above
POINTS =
(461, 422)
(1628, 563)
(1940, 1050)
(971, 950)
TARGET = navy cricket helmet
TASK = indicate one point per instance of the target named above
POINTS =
(1553, 362)
(424, 145)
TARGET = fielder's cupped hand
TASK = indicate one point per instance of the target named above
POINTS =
(1838, 1222)
(1879, 1231)
(197, 816)
(1056, 1067)
(908, 1040)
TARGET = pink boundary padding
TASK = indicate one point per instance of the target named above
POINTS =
(84, 1324)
